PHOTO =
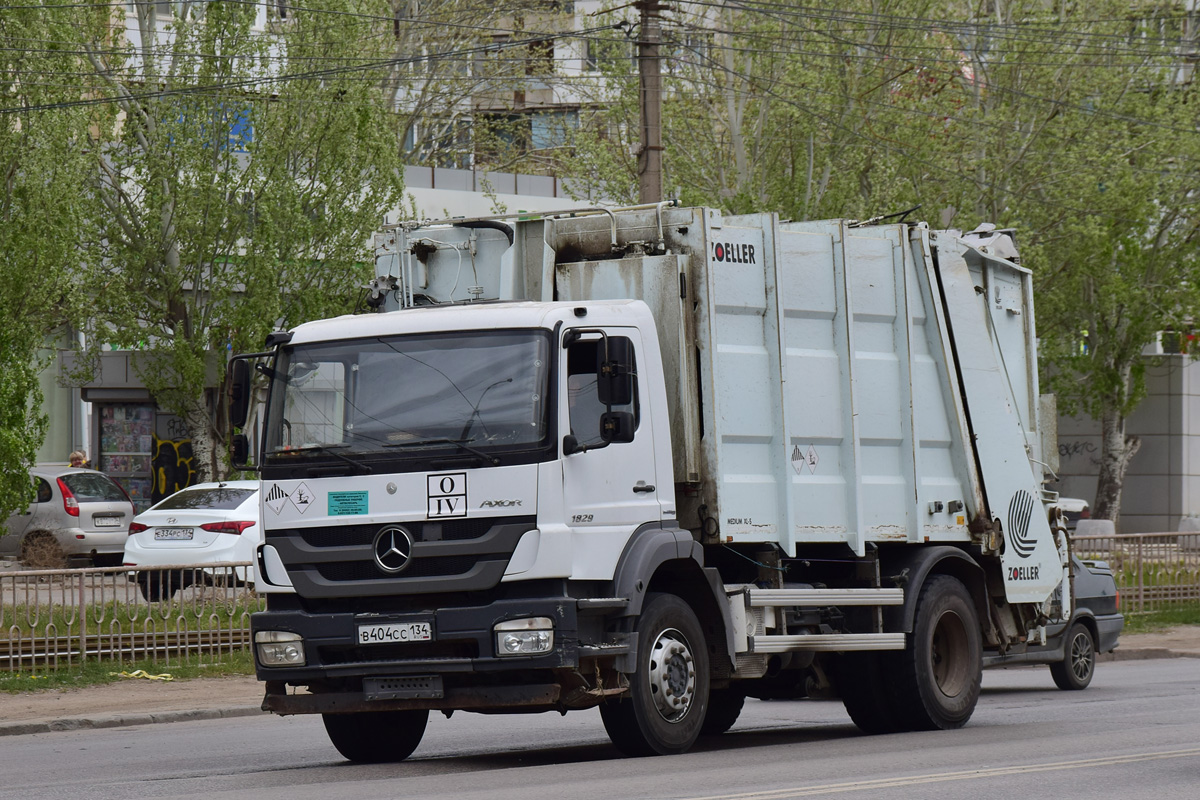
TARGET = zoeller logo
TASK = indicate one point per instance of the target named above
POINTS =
(393, 549)
(1020, 511)
(499, 503)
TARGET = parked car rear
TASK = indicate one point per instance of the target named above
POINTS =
(203, 524)
(78, 515)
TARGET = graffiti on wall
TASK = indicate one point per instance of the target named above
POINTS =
(171, 467)
(1078, 450)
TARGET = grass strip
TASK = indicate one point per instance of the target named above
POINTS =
(95, 673)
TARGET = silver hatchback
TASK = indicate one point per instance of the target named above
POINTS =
(77, 515)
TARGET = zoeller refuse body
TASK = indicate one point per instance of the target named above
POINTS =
(655, 460)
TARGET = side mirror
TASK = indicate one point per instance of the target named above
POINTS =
(616, 426)
(614, 379)
(570, 444)
(239, 392)
(241, 451)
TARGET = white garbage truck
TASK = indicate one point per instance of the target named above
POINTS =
(653, 461)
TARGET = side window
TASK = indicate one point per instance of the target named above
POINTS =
(43, 491)
(583, 402)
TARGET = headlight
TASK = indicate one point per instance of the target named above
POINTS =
(279, 649)
(524, 637)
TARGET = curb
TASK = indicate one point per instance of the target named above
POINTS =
(124, 720)
(1144, 654)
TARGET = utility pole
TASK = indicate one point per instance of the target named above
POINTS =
(650, 179)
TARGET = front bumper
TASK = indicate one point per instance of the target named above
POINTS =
(462, 649)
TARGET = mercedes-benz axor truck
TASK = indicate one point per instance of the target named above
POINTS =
(653, 461)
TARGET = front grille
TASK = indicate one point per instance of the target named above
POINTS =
(462, 555)
(399, 653)
(419, 568)
(422, 531)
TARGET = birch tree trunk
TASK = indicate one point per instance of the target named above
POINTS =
(1116, 451)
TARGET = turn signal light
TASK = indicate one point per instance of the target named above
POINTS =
(235, 528)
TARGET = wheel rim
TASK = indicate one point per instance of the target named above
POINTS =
(948, 653)
(1082, 656)
(672, 675)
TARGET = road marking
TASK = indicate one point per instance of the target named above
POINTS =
(941, 777)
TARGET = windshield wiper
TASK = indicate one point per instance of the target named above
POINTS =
(330, 449)
(495, 462)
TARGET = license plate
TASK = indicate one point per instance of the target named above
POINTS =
(172, 534)
(107, 522)
(395, 632)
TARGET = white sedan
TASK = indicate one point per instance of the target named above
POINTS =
(202, 524)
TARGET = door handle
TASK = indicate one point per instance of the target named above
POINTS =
(643, 487)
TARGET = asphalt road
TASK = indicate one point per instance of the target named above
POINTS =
(1135, 733)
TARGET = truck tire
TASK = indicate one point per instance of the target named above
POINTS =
(1078, 666)
(724, 707)
(376, 737)
(668, 694)
(936, 684)
(863, 682)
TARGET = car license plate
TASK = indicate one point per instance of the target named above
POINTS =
(107, 522)
(172, 534)
(395, 632)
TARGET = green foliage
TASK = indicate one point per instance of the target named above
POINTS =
(234, 200)
(43, 164)
(93, 672)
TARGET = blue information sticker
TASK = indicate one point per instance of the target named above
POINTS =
(342, 504)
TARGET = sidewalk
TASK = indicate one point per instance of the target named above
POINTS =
(142, 702)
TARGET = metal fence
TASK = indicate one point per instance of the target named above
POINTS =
(171, 614)
(1153, 570)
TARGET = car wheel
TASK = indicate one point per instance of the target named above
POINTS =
(1078, 666)
(160, 585)
(40, 550)
(376, 737)
(668, 693)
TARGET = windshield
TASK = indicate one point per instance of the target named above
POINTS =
(448, 391)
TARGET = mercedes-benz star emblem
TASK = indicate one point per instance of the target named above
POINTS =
(393, 549)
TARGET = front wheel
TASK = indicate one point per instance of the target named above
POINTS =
(668, 694)
(376, 737)
(941, 670)
(1078, 666)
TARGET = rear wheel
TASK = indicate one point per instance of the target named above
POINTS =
(376, 737)
(1078, 666)
(863, 682)
(724, 707)
(668, 693)
(940, 671)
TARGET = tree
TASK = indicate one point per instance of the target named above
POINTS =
(43, 161)
(237, 188)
